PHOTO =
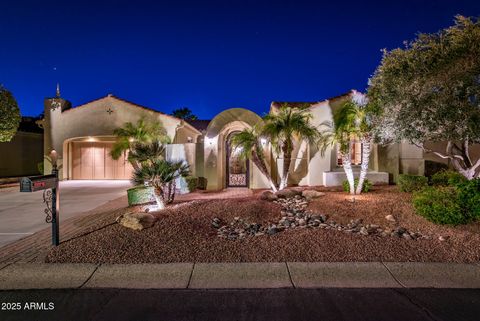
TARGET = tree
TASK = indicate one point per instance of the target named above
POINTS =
(429, 91)
(339, 133)
(353, 120)
(184, 113)
(141, 132)
(9, 115)
(285, 126)
(249, 144)
(162, 175)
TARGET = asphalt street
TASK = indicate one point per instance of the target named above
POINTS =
(248, 304)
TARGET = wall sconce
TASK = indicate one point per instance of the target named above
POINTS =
(209, 141)
(90, 139)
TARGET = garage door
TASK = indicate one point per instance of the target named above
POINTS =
(91, 160)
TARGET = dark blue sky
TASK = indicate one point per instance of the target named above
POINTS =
(206, 55)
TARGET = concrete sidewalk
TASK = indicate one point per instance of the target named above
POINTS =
(240, 275)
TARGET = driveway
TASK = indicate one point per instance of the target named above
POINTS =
(22, 214)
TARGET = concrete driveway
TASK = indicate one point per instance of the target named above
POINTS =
(22, 214)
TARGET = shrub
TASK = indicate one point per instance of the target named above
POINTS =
(202, 183)
(367, 185)
(457, 204)
(411, 183)
(447, 178)
(192, 183)
(469, 197)
(440, 205)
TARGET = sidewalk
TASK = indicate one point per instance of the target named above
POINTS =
(240, 275)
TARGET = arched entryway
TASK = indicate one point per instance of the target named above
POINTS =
(237, 168)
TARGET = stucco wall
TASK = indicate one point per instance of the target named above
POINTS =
(21, 155)
(100, 118)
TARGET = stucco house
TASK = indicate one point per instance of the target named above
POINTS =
(83, 137)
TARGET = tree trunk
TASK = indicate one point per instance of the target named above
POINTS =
(157, 193)
(260, 163)
(460, 158)
(347, 167)
(366, 149)
(287, 160)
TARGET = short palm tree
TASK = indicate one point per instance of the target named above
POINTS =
(249, 145)
(285, 126)
(141, 132)
(162, 175)
(142, 153)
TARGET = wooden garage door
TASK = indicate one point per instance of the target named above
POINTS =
(91, 160)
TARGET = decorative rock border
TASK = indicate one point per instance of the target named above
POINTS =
(295, 215)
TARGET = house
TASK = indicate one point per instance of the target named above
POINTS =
(83, 137)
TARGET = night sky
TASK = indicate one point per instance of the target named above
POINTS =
(205, 55)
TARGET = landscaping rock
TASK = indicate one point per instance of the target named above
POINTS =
(390, 218)
(268, 196)
(310, 194)
(137, 221)
(443, 238)
(288, 193)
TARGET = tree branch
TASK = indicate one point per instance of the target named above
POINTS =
(427, 150)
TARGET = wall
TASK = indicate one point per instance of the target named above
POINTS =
(21, 155)
(100, 118)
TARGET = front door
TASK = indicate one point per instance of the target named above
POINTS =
(237, 168)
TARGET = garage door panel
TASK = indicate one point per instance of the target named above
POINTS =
(92, 160)
(86, 161)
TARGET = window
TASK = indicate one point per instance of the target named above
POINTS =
(355, 152)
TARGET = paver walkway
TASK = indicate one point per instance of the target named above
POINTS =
(33, 248)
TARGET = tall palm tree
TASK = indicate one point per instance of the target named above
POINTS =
(359, 124)
(249, 145)
(331, 136)
(184, 113)
(141, 132)
(285, 126)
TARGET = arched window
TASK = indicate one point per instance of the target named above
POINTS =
(355, 152)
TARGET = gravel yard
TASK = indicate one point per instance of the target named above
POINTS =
(184, 233)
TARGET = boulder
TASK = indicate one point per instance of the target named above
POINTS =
(268, 196)
(288, 193)
(137, 221)
(310, 194)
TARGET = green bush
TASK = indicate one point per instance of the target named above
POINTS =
(447, 178)
(367, 185)
(202, 183)
(192, 183)
(440, 205)
(458, 204)
(469, 197)
(411, 183)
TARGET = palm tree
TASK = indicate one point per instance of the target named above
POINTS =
(143, 153)
(249, 145)
(334, 136)
(141, 132)
(162, 175)
(285, 126)
(356, 111)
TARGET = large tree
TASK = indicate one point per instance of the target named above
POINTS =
(9, 115)
(285, 126)
(429, 91)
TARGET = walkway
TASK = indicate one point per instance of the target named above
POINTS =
(22, 214)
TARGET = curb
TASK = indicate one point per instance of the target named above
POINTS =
(257, 275)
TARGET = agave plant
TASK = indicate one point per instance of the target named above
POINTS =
(162, 175)
(249, 145)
